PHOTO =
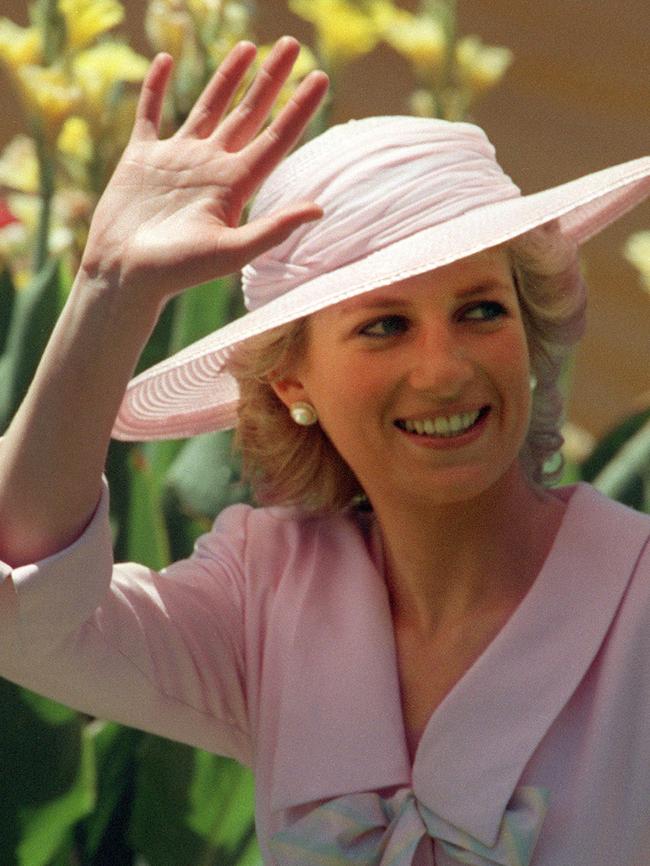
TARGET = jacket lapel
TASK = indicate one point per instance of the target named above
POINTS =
(479, 740)
(341, 727)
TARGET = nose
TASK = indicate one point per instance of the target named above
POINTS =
(439, 363)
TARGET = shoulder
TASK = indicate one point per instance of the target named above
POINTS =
(273, 537)
(609, 540)
(588, 506)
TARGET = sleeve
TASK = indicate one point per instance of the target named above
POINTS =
(160, 651)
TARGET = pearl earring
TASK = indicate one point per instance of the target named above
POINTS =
(532, 381)
(303, 414)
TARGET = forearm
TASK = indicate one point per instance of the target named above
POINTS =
(53, 453)
(168, 219)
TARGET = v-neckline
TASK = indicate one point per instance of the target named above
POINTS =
(376, 550)
(480, 738)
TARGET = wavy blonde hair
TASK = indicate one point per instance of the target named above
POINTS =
(292, 465)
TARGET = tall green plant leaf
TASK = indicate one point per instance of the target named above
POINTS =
(624, 477)
(102, 833)
(47, 779)
(7, 298)
(192, 808)
(200, 311)
(619, 461)
(35, 311)
(147, 540)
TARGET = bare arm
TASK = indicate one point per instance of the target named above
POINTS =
(169, 219)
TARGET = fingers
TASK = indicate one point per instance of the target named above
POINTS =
(213, 102)
(249, 116)
(269, 148)
(152, 94)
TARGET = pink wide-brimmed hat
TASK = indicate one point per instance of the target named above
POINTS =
(400, 196)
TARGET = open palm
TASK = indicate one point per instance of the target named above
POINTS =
(169, 217)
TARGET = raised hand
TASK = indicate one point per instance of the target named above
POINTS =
(169, 217)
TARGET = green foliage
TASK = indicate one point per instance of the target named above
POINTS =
(27, 327)
(47, 779)
(620, 465)
(191, 807)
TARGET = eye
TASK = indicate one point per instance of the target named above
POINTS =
(387, 326)
(485, 311)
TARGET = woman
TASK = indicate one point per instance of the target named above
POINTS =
(430, 657)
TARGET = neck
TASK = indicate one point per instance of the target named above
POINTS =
(445, 562)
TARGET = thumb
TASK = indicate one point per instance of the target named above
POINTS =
(260, 235)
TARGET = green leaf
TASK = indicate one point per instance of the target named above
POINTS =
(115, 748)
(7, 299)
(192, 807)
(35, 311)
(206, 475)
(611, 442)
(47, 827)
(147, 540)
(199, 311)
(221, 804)
(157, 347)
(612, 469)
(626, 472)
(47, 779)
(187, 318)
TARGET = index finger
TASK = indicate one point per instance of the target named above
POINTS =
(272, 145)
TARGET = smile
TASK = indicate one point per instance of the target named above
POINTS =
(445, 426)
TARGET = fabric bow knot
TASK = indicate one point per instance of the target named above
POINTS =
(369, 830)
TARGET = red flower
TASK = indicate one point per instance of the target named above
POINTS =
(6, 216)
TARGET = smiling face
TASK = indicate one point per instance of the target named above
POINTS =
(423, 386)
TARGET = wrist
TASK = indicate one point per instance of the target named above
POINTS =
(108, 287)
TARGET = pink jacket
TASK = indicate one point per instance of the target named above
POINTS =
(273, 644)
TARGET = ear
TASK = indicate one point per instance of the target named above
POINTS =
(289, 390)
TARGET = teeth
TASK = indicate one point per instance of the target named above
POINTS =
(441, 425)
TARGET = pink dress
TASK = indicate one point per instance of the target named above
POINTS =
(273, 644)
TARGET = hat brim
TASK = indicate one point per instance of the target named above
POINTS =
(191, 393)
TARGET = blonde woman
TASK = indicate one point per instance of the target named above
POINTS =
(425, 653)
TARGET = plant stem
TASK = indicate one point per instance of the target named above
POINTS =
(46, 192)
(49, 20)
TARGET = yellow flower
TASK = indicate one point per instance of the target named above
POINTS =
(85, 20)
(207, 9)
(50, 94)
(481, 66)
(422, 103)
(344, 31)
(19, 165)
(75, 140)
(233, 25)
(99, 68)
(168, 26)
(637, 252)
(419, 38)
(19, 46)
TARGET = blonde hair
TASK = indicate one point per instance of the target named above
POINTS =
(292, 465)
(552, 298)
(285, 464)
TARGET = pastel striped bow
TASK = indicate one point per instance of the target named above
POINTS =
(369, 830)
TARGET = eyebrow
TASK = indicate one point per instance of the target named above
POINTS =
(372, 300)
